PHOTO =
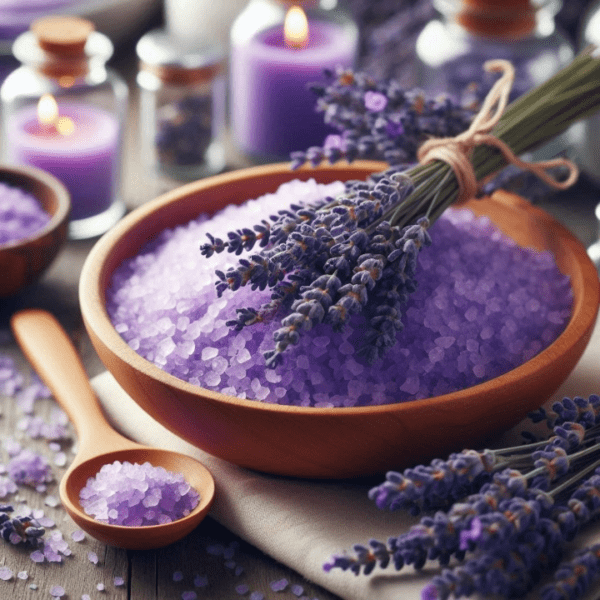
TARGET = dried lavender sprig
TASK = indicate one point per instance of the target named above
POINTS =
(577, 409)
(541, 114)
(22, 529)
(379, 120)
(574, 577)
(510, 573)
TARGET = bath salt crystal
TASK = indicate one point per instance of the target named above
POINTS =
(5, 574)
(21, 214)
(471, 280)
(111, 496)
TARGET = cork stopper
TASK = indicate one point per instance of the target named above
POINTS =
(63, 36)
(506, 19)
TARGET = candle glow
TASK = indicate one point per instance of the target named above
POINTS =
(47, 113)
(47, 110)
(295, 28)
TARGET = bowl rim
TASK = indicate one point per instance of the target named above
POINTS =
(60, 192)
(94, 311)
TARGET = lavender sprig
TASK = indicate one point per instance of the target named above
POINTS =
(544, 496)
(334, 236)
(22, 529)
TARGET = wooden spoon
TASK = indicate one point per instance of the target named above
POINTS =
(50, 351)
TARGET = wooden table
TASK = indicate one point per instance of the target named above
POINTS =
(149, 575)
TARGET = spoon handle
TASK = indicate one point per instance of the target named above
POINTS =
(52, 354)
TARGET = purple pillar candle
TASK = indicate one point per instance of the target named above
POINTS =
(86, 159)
(272, 110)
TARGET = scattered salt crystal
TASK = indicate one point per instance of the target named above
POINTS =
(243, 356)
(57, 591)
(37, 556)
(242, 589)
(118, 581)
(200, 581)
(257, 596)
(24, 575)
(51, 500)
(297, 590)
(5, 574)
(279, 585)
(92, 557)
(189, 595)
(100, 587)
(177, 576)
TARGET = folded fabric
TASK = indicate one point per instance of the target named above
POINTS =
(302, 523)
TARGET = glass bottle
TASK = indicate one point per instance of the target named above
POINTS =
(451, 51)
(63, 111)
(272, 110)
(588, 154)
(182, 107)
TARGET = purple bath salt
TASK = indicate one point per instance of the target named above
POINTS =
(21, 214)
(483, 306)
(134, 495)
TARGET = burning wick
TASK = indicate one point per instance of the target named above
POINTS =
(295, 28)
(47, 111)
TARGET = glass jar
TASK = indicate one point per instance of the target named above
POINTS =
(63, 111)
(182, 107)
(451, 51)
(272, 109)
(588, 154)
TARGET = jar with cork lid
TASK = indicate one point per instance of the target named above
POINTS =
(182, 107)
(63, 111)
(452, 49)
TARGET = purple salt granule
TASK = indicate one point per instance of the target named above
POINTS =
(189, 595)
(29, 468)
(134, 495)
(93, 557)
(200, 581)
(78, 535)
(483, 307)
(177, 576)
(57, 591)
(5, 574)
(21, 214)
(279, 585)
(119, 581)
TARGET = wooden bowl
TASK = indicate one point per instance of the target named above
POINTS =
(24, 261)
(332, 442)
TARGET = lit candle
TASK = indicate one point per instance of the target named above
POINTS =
(76, 143)
(272, 110)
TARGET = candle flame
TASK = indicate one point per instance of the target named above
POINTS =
(295, 28)
(47, 109)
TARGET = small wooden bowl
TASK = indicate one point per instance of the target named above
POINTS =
(332, 442)
(24, 261)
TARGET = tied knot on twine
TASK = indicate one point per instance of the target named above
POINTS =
(456, 151)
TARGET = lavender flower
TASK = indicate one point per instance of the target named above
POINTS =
(532, 500)
(573, 578)
(21, 529)
(379, 120)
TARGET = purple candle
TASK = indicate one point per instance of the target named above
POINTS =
(272, 110)
(81, 148)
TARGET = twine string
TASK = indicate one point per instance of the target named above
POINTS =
(456, 151)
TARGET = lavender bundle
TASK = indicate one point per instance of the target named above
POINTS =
(358, 252)
(507, 514)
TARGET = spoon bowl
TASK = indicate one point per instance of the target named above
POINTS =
(50, 351)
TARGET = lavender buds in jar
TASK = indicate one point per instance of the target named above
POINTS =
(182, 107)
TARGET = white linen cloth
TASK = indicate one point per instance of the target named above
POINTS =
(302, 523)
